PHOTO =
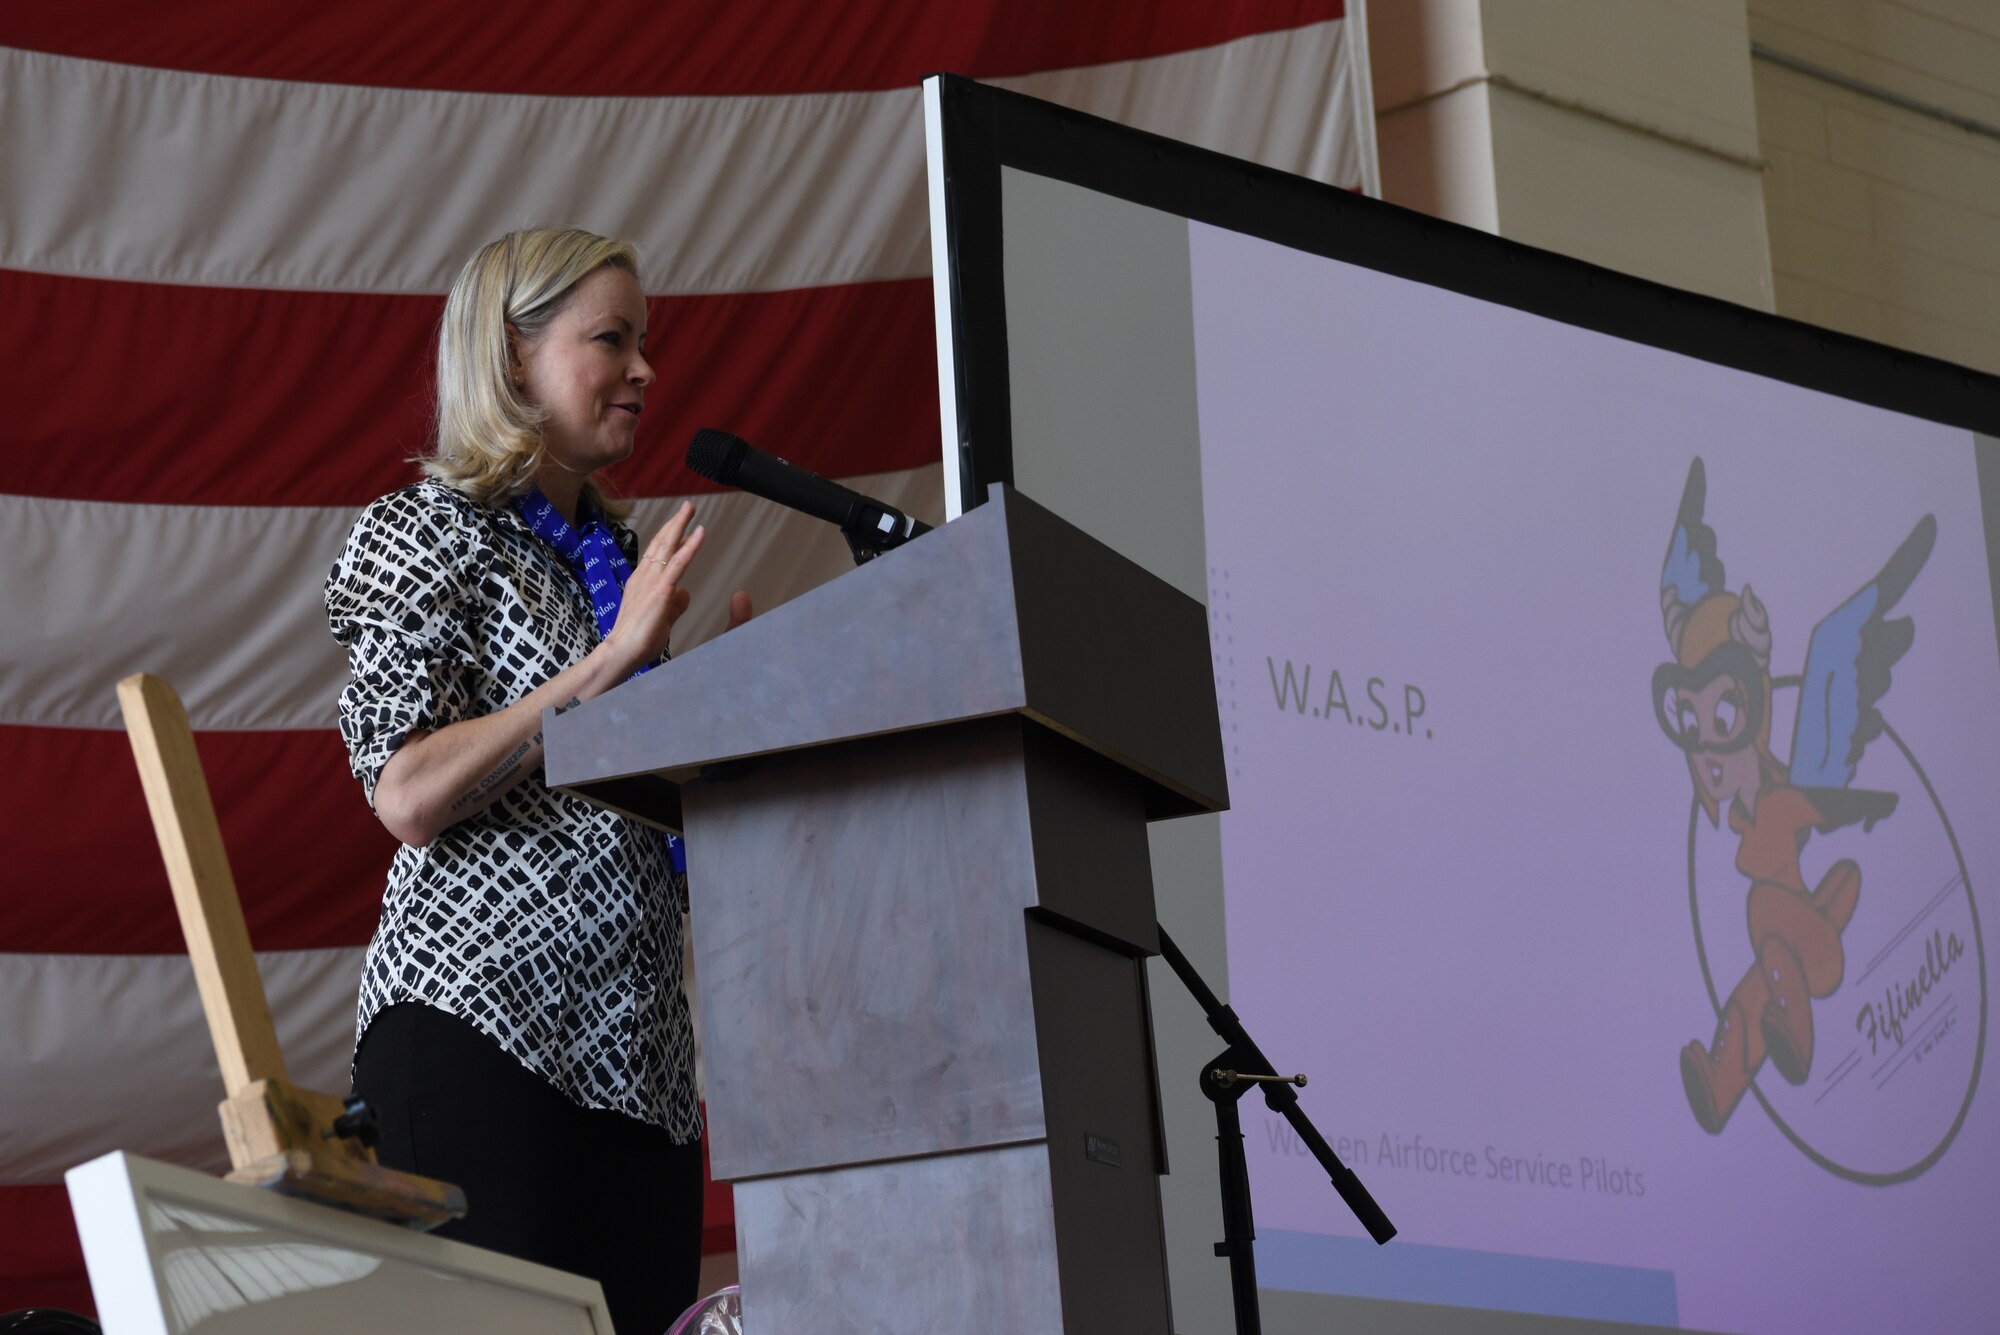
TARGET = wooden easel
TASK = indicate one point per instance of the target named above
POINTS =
(282, 1137)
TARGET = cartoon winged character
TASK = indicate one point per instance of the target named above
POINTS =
(1714, 702)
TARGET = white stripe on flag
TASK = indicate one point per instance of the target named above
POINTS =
(162, 176)
(111, 1052)
(227, 602)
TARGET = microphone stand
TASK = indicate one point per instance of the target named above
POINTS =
(1226, 1079)
(872, 528)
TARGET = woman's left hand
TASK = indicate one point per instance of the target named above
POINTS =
(654, 597)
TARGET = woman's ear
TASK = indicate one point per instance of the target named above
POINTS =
(515, 371)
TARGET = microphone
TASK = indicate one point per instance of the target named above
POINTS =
(870, 527)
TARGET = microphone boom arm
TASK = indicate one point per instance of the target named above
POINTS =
(1223, 1086)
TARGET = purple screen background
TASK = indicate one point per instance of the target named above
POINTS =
(1479, 932)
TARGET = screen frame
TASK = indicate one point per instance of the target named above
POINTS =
(973, 131)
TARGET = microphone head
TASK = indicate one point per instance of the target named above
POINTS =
(716, 455)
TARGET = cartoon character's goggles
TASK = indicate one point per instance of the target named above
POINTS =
(1728, 659)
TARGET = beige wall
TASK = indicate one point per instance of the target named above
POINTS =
(1622, 133)
(1644, 135)
(1885, 222)
(1433, 125)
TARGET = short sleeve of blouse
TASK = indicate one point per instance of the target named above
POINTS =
(400, 600)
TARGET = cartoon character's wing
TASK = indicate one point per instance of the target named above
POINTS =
(1847, 672)
(1692, 570)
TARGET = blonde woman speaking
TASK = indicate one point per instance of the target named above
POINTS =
(522, 1029)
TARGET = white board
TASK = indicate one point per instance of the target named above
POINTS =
(170, 1250)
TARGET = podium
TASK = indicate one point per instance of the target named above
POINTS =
(915, 802)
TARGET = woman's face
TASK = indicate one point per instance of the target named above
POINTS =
(1714, 720)
(588, 372)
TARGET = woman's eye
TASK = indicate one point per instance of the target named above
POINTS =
(1685, 719)
(1727, 716)
(611, 338)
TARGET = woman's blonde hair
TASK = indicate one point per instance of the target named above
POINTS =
(489, 433)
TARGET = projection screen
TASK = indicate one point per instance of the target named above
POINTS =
(1611, 689)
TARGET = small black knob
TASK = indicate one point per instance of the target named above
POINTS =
(358, 1122)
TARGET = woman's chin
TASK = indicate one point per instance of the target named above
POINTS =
(619, 448)
(583, 463)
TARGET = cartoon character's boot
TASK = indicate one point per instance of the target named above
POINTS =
(1716, 1076)
(1787, 1019)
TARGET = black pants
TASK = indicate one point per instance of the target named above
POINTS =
(591, 1192)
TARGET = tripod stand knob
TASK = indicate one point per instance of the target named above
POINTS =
(358, 1122)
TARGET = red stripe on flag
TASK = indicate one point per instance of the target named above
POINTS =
(638, 48)
(718, 1204)
(41, 1258)
(308, 856)
(146, 392)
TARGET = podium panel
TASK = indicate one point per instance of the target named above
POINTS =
(954, 1244)
(859, 907)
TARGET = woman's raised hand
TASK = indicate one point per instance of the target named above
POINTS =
(654, 598)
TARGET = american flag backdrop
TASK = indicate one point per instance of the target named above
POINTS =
(226, 228)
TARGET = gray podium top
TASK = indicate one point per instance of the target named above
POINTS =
(1005, 610)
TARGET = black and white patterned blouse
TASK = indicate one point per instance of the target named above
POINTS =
(551, 925)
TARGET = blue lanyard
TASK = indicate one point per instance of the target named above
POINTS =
(594, 557)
